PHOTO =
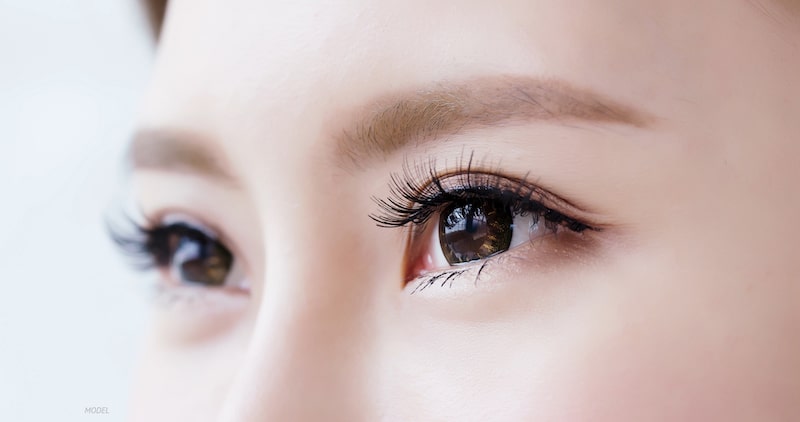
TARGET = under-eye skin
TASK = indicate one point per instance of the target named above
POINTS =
(186, 254)
(463, 218)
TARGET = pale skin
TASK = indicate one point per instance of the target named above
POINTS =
(682, 302)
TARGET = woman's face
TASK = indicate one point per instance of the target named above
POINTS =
(449, 210)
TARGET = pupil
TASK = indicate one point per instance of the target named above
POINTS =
(199, 259)
(475, 230)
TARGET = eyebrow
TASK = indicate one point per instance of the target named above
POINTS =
(176, 151)
(408, 120)
(448, 109)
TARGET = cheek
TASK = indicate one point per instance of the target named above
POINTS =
(677, 378)
(184, 380)
(663, 356)
(627, 348)
(633, 376)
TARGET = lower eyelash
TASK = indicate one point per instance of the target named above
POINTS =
(448, 276)
(428, 280)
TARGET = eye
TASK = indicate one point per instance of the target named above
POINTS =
(480, 229)
(460, 219)
(186, 254)
(191, 255)
(473, 231)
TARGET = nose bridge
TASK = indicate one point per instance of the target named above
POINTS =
(302, 365)
(309, 349)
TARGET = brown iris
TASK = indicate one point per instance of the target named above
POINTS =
(475, 230)
(194, 257)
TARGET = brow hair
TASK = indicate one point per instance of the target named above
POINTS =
(416, 117)
(791, 6)
(405, 120)
(178, 152)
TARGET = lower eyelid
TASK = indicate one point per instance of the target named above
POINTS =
(539, 255)
(186, 314)
(169, 296)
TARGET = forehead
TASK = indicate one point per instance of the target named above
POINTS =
(419, 41)
(156, 9)
(299, 68)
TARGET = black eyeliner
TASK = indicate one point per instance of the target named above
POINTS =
(420, 191)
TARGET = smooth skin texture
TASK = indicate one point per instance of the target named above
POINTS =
(686, 306)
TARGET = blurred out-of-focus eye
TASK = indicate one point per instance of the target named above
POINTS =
(190, 255)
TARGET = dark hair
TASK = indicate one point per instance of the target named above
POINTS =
(155, 10)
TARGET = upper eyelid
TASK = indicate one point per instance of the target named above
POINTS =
(160, 219)
(167, 219)
(420, 176)
(518, 186)
(421, 197)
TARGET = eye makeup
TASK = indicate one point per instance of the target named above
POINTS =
(462, 218)
(188, 256)
(463, 221)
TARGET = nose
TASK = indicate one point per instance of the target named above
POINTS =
(309, 355)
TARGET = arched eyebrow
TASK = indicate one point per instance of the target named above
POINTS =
(412, 118)
(406, 120)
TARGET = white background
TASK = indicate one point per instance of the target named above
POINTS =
(71, 312)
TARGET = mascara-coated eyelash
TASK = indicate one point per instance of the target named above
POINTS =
(419, 192)
(186, 254)
(135, 241)
(480, 213)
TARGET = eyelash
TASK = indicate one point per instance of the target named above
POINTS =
(135, 240)
(417, 194)
(142, 244)
(421, 191)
